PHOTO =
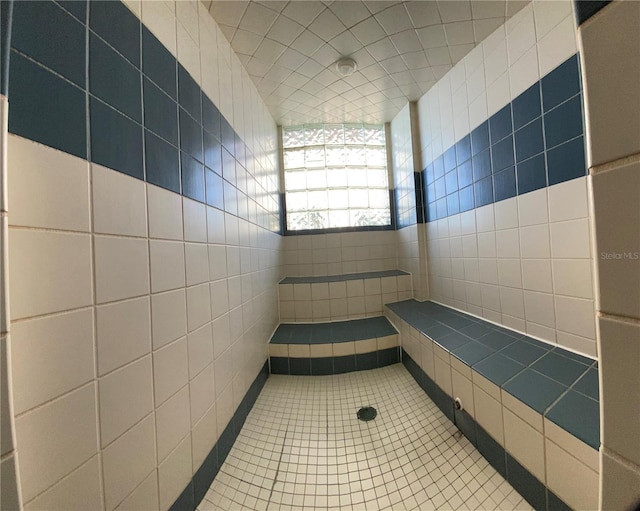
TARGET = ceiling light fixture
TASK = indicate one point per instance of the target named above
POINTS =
(346, 67)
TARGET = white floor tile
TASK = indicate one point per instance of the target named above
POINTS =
(302, 447)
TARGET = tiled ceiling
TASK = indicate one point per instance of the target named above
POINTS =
(290, 48)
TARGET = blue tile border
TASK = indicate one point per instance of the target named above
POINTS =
(6, 15)
(81, 40)
(534, 492)
(587, 8)
(324, 366)
(195, 491)
(334, 332)
(547, 378)
(535, 141)
(343, 277)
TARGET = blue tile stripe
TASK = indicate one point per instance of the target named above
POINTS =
(343, 277)
(535, 141)
(324, 366)
(587, 8)
(559, 384)
(195, 491)
(535, 492)
(153, 122)
(6, 14)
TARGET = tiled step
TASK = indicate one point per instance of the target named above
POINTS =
(333, 348)
(341, 297)
(521, 397)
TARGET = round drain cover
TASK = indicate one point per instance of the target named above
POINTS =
(367, 413)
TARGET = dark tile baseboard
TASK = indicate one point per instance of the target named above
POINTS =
(324, 366)
(534, 492)
(195, 491)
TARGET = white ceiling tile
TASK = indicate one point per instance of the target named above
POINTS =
(432, 37)
(345, 43)
(513, 6)
(438, 56)
(403, 78)
(368, 31)
(488, 9)
(394, 19)
(350, 13)
(459, 32)
(313, 87)
(303, 12)
(291, 59)
(411, 91)
(340, 86)
(459, 51)
(257, 19)
(394, 65)
(228, 12)
(285, 30)
(310, 68)
(423, 75)
(415, 60)
(454, 11)
(373, 72)
(440, 71)
(277, 74)
(378, 5)
(363, 58)
(274, 5)
(406, 41)
(423, 14)
(269, 50)
(382, 49)
(356, 79)
(351, 95)
(384, 83)
(293, 67)
(246, 42)
(326, 77)
(228, 31)
(327, 26)
(257, 67)
(307, 43)
(326, 56)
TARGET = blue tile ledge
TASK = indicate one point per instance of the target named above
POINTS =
(558, 384)
(319, 349)
(344, 277)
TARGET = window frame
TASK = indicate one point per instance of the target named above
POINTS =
(326, 230)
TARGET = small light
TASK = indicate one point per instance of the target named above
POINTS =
(346, 67)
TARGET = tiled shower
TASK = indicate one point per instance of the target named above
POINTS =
(142, 247)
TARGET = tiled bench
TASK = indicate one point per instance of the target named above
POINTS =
(531, 408)
(333, 348)
(341, 297)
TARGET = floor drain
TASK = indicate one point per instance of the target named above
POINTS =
(367, 413)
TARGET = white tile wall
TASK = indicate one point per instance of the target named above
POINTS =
(532, 253)
(610, 51)
(42, 349)
(340, 253)
(118, 287)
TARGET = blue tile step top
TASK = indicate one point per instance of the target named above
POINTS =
(333, 348)
(342, 278)
(558, 384)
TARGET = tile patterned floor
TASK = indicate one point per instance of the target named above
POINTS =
(302, 447)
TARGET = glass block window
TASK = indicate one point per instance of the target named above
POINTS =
(335, 175)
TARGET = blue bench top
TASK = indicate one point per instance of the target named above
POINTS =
(329, 333)
(557, 383)
(341, 278)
